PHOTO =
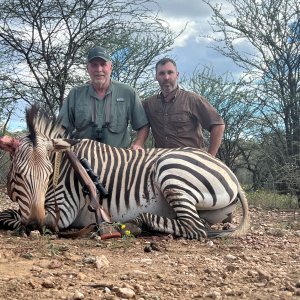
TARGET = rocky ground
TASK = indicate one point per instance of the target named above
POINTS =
(265, 264)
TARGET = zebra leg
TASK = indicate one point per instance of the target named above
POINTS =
(187, 223)
(187, 227)
(10, 219)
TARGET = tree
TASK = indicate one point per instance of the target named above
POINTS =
(46, 43)
(272, 61)
(231, 99)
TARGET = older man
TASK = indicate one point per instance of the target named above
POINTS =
(177, 117)
(102, 109)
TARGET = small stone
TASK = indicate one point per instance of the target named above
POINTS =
(230, 257)
(101, 261)
(77, 296)
(297, 233)
(125, 293)
(147, 249)
(34, 235)
(290, 287)
(232, 268)
(138, 272)
(89, 260)
(263, 275)
(147, 261)
(47, 283)
(55, 264)
(252, 273)
(210, 243)
(36, 269)
(154, 246)
(138, 288)
(81, 276)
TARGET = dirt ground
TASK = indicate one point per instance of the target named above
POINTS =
(265, 264)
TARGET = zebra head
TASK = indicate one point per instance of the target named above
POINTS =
(31, 166)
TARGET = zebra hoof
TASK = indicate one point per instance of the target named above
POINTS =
(108, 231)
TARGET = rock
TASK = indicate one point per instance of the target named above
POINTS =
(81, 276)
(232, 268)
(138, 272)
(89, 260)
(55, 264)
(290, 287)
(297, 233)
(147, 249)
(263, 275)
(230, 257)
(101, 261)
(36, 269)
(154, 246)
(47, 283)
(210, 243)
(126, 293)
(138, 288)
(276, 232)
(34, 235)
(252, 273)
(77, 296)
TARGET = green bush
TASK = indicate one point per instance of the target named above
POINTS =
(268, 199)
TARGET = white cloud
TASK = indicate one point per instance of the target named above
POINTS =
(193, 48)
(184, 9)
(177, 25)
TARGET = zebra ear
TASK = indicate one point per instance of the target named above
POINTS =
(61, 144)
(9, 144)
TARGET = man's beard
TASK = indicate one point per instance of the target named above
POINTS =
(98, 83)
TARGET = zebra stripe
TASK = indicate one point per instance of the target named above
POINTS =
(176, 191)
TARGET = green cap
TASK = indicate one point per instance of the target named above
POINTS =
(98, 52)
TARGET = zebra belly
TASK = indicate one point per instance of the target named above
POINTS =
(157, 206)
(218, 215)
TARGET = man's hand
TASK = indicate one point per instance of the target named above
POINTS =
(142, 135)
(136, 147)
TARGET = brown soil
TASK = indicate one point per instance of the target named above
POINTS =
(265, 264)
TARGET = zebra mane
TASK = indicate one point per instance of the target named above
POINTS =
(39, 123)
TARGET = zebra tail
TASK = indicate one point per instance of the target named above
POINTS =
(242, 228)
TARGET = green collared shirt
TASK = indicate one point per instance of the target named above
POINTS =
(105, 120)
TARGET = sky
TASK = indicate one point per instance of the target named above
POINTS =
(192, 51)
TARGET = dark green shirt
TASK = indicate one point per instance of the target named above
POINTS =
(105, 120)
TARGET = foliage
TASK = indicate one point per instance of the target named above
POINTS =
(268, 200)
(45, 43)
(231, 99)
(269, 31)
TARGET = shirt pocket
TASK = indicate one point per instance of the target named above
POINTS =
(83, 118)
(119, 117)
(180, 122)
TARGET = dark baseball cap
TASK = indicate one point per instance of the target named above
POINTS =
(98, 52)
